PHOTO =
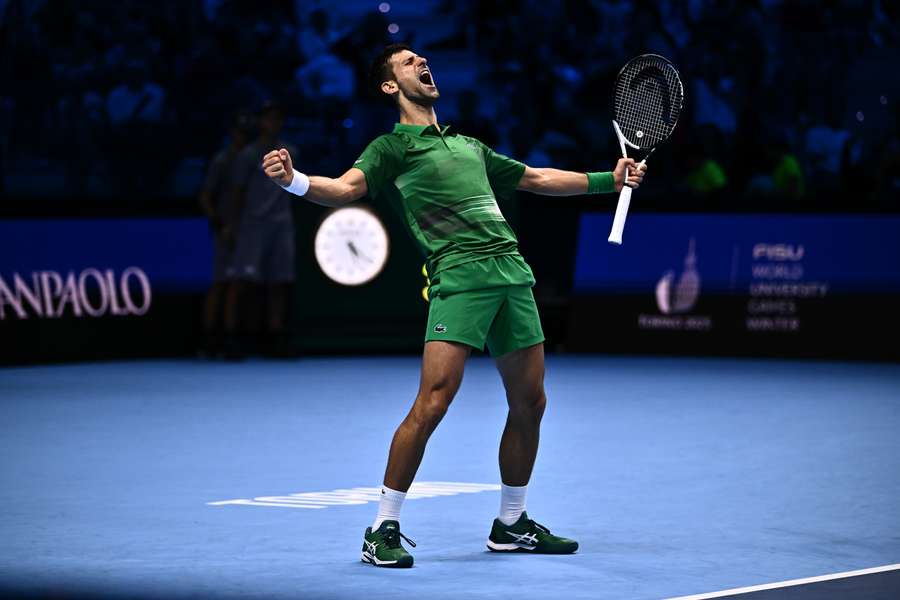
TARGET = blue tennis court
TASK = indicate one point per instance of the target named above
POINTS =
(677, 476)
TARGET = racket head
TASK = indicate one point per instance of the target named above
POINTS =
(648, 98)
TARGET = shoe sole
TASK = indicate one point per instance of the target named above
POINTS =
(522, 548)
(390, 564)
(495, 547)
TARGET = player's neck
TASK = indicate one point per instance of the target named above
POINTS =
(416, 114)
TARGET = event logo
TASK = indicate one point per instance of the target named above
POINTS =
(778, 252)
(681, 297)
(92, 293)
(777, 286)
(676, 298)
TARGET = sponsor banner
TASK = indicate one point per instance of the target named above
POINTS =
(778, 263)
(91, 293)
(90, 268)
(765, 255)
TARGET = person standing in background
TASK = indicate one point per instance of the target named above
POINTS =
(261, 231)
(213, 200)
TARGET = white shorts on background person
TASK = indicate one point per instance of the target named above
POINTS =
(264, 252)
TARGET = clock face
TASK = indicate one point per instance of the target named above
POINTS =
(352, 246)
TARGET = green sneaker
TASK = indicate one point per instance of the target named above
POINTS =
(527, 536)
(382, 547)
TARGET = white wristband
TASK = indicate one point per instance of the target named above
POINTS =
(299, 184)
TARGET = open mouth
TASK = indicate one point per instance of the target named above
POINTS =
(425, 77)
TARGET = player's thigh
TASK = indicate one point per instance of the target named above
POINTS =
(443, 364)
(517, 324)
(464, 317)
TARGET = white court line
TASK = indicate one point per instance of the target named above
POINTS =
(360, 495)
(789, 583)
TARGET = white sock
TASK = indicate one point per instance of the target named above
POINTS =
(512, 503)
(389, 506)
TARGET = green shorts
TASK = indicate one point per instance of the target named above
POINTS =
(505, 318)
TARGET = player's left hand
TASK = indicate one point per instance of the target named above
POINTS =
(635, 173)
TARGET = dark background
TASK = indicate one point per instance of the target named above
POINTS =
(792, 108)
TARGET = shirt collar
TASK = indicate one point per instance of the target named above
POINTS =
(423, 130)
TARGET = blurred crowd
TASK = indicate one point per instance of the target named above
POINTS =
(103, 87)
(789, 101)
(795, 102)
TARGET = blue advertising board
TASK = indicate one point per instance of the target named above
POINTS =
(90, 268)
(818, 285)
(175, 253)
(834, 254)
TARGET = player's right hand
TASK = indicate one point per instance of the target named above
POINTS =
(278, 166)
(635, 173)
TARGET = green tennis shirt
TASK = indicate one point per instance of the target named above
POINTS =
(445, 187)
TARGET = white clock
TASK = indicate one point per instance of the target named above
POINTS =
(352, 246)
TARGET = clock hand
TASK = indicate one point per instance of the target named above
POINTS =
(356, 253)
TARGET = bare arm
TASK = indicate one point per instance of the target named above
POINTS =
(322, 190)
(554, 182)
(345, 189)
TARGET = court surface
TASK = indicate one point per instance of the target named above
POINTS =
(678, 477)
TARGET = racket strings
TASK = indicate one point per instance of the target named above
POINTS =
(641, 114)
(643, 99)
(648, 99)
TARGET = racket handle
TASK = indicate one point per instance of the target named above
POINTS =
(615, 236)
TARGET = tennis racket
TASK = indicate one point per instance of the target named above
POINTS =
(648, 99)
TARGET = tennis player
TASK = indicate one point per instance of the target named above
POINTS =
(445, 185)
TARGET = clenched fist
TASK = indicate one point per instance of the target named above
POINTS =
(278, 166)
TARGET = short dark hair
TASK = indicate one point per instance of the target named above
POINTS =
(381, 69)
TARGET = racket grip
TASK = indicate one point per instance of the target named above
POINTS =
(615, 236)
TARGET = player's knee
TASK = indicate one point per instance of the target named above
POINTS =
(431, 406)
(538, 404)
(530, 405)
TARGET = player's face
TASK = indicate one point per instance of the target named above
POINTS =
(413, 77)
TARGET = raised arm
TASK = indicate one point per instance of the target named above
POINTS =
(326, 191)
(554, 182)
